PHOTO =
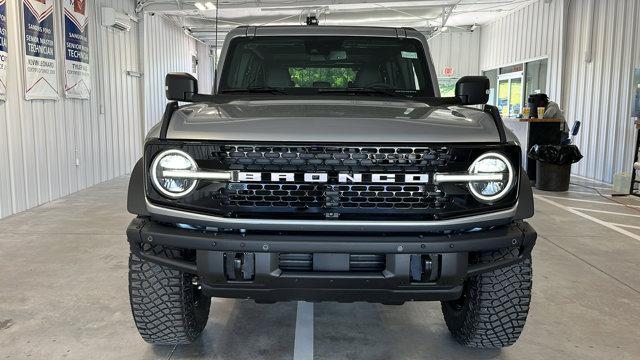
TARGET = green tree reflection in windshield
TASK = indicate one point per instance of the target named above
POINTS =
(315, 77)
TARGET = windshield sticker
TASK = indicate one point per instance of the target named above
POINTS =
(409, 54)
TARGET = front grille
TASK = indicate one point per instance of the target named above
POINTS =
(398, 201)
(324, 158)
(333, 198)
(357, 262)
(364, 196)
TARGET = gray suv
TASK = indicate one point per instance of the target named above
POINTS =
(327, 167)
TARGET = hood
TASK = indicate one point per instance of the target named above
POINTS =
(331, 120)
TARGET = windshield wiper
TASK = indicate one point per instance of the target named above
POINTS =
(256, 89)
(360, 90)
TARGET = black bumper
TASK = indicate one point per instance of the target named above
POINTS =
(258, 273)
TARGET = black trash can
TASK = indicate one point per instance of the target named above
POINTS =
(552, 177)
(553, 165)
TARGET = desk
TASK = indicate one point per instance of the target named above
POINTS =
(534, 131)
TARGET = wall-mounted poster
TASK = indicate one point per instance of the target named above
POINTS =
(77, 75)
(3, 49)
(41, 79)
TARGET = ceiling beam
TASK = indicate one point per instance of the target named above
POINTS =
(188, 5)
(447, 11)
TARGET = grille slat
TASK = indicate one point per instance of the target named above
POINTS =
(337, 196)
(369, 263)
(296, 262)
(335, 158)
(357, 262)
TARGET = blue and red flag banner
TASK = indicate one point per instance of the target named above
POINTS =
(3, 49)
(77, 71)
(41, 78)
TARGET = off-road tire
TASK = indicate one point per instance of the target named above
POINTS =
(167, 308)
(494, 305)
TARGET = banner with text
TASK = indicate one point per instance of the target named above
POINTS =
(3, 49)
(41, 79)
(77, 75)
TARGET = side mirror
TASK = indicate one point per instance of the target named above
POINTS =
(473, 90)
(180, 87)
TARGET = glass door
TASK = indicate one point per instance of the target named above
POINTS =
(515, 97)
(503, 97)
(510, 94)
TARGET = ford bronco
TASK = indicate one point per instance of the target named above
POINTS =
(327, 167)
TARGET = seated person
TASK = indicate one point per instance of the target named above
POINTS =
(552, 110)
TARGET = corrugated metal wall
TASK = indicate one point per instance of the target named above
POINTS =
(599, 93)
(205, 68)
(166, 49)
(41, 140)
(596, 93)
(530, 32)
(459, 50)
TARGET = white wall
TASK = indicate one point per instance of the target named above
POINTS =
(459, 50)
(205, 68)
(41, 140)
(596, 93)
(530, 32)
(599, 93)
(168, 49)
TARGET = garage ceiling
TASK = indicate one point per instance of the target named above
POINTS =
(429, 16)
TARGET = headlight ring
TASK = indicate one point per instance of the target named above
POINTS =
(492, 191)
(173, 159)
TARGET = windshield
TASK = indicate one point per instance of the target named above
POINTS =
(327, 64)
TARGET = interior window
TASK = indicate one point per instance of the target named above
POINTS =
(510, 86)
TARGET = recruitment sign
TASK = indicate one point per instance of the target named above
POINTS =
(41, 79)
(3, 49)
(77, 75)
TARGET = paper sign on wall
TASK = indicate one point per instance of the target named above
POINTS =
(77, 75)
(41, 79)
(3, 49)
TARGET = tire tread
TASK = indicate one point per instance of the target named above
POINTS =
(163, 300)
(497, 307)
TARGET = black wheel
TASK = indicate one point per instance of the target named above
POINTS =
(493, 308)
(167, 308)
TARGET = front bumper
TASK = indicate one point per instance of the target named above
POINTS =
(265, 281)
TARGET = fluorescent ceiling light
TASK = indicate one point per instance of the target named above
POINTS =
(200, 6)
(210, 5)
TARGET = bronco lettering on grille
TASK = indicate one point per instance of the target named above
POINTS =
(323, 177)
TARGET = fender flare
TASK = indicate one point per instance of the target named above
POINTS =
(136, 197)
(525, 207)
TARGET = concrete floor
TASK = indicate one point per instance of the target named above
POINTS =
(63, 293)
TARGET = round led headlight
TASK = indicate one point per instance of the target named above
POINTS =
(173, 160)
(490, 191)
